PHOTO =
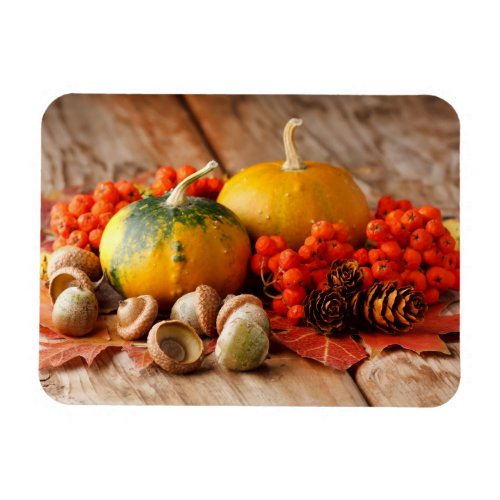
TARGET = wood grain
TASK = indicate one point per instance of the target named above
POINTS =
(401, 145)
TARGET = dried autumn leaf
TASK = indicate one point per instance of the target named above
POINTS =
(423, 337)
(340, 352)
(56, 354)
(209, 346)
(139, 355)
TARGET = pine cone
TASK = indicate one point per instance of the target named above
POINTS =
(327, 310)
(386, 307)
(345, 273)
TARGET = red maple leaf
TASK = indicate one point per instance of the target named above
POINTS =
(337, 352)
(55, 354)
(140, 355)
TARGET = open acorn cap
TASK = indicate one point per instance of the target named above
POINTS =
(175, 346)
(232, 304)
(64, 278)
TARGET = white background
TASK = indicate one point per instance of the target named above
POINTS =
(52, 451)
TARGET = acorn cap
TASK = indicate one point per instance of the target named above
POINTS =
(231, 305)
(175, 346)
(84, 260)
(136, 316)
(207, 307)
(64, 278)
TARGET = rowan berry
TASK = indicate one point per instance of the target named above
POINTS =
(412, 219)
(66, 224)
(78, 238)
(347, 250)
(456, 283)
(288, 259)
(293, 278)
(429, 212)
(323, 230)
(377, 230)
(421, 240)
(361, 255)
(341, 233)
(120, 205)
(259, 264)
(59, 242)
(368, 279)
(404, 205)
(274, 263)
(319, 275)
(450, 260)
(184, 171)
(411, 258)
(305, 252)
(417, 280)
(102, 207)
(59, 208)
(95, 237)
(439, 278)
(266, 246)
(166, 172)
(128, 192)
(385, 205)
(395, 215)
(104, 219)
(279, 307)
(161, 186)
(293, 296)
(281, 243)
(431, 295)
(375, 254)
(87, 221)
(446, 243)
(391, 249)
(80, 204)
(106, 191)
(383, 270)
(295, 313)
(435, 228)
(334, 251)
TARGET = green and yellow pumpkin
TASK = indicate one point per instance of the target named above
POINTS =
(167, 246)
(285, 198)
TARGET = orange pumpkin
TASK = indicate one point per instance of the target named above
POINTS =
(285, 198)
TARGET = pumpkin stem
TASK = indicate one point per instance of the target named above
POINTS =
(293, 160)
(178, 196)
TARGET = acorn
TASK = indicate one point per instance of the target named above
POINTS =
(198, 309)
(66, 277)
(175, 346)
(70, 256)
(244, 306)
(75, 311)
(135, 316)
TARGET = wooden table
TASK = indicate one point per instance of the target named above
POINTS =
(407, 146)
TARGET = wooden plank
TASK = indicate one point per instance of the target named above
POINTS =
(87, 138)
(405, 146)
(401, 145)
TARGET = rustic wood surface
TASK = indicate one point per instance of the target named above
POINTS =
(406, 146)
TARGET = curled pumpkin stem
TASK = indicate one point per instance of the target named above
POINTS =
(293, 160)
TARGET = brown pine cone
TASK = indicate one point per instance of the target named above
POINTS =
(346, 273)
(386, 307)
(327, 310)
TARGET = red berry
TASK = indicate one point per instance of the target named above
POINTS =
(439, 278)
(266, 246)
(78, 238)
(432, 257)
(450, 260)
(59, 242)
(435, 228)
(166, 172)
(375, 254)
(293, 296)
(429, 212)
(377, 230)
(66, 224)
(421, 240)
(259, 264)
(296, 313)
(161, 186)
(128, 192)
(347, 250)
(59, 208)
(281, 243)
(80, 204)
(184, 171)
(446, 243)
(293, 277)
(104, 219)
(383, 270)
(361, 255)
(334, 251)
(106, 191)
(102, 207)
(391, 249)
(120, 205)
(385, 205)
(274, 263)
(417, 280)
(323, 230)
(288, 259)
(279, 307)
(431, 295)
(319, 275)
(87, 222)
(412, 219)
(95, 237)
(341, 233)
(368, 279)
(411, 258)
(404, 205)
(305, 252)
(456, 283)
(395, 215)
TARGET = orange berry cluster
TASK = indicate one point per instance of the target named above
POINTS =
(166, 178)
(294, 274)
(81, 221)
(412, 247)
